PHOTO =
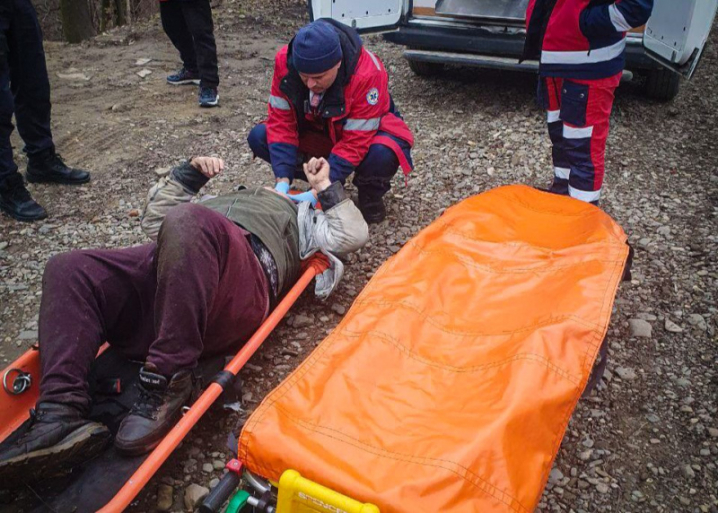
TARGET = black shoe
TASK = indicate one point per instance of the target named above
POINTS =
(16, 201)
(155, 412)
(373, 210)
(59, 438)
(48, 167)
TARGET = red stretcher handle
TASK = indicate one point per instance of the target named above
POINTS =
(313, 267)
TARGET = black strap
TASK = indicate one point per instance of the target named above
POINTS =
(224, 378)
(629, 264)
(109, 386)
(598, 369)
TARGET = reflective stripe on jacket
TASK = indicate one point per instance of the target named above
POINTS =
(582, 39)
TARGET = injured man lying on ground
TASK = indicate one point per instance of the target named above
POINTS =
(213, 274)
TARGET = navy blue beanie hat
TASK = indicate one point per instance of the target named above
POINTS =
(316, 48)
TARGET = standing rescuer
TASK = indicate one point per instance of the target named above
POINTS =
(189, 25)
(330, 98)
(581, 47)
(25, 91)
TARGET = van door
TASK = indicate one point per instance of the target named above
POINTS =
(366, 15)
(678, 31)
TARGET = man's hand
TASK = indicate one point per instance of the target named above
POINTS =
(208, 166)
(317, 171)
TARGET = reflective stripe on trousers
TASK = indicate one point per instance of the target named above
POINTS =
(578, 114)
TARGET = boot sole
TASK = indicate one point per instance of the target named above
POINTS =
(139, 450)
(375, 219)
(145, 446)
(184, 82)
(60, 181)
(24, 219)
(78, 447)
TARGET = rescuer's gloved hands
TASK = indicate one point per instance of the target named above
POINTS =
(305, 196)
(282, 187)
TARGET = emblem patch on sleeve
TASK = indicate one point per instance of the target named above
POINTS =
(372, 97)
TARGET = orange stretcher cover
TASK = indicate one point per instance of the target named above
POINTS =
(450, 382)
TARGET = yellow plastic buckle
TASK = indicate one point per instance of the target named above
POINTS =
(300, 495)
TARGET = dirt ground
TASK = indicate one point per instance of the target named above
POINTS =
(646, 440)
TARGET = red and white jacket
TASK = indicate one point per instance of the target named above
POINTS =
(355, 111)
(582, 39)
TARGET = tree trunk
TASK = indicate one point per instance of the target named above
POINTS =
(104, 14)
(76, 20)
(121, 12)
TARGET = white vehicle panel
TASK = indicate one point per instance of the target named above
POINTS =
(364, 15)
(678, 31)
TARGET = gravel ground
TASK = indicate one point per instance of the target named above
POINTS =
(646, 440)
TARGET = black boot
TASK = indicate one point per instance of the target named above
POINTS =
(16, 201)
(48, 167)
(59, 438)
(155, 412)
(372, 209)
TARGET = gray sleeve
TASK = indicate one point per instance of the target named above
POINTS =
(341, 229)
(165, 194)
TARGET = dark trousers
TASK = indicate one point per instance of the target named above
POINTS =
(188, 24)
(198, 291)
(372, 176)
(24, 86)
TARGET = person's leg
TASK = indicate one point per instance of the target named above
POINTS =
(373, 176)
(585, 112)
(198, 16)
(88, 297)
(600, 105)
(31, 90)
(28, 78)
(15, 200)
(7, 106)
(551, 98)
(257, 140)
(211, 290)
(211, 296)
(174, 25)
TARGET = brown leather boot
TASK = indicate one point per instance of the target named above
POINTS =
(155, 412)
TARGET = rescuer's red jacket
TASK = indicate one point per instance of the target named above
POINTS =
(354, 111)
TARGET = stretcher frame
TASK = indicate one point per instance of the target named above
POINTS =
(16, 406)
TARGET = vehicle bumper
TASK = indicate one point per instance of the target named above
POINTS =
(491, 41)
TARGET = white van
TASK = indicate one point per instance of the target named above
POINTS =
(490, 34)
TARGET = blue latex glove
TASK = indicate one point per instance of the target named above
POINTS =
(282, 187)
(305, 196)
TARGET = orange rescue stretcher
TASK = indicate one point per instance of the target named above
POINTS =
(122, 478)
(449, 384)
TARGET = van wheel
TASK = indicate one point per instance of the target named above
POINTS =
(662, 85)
(425, 69)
